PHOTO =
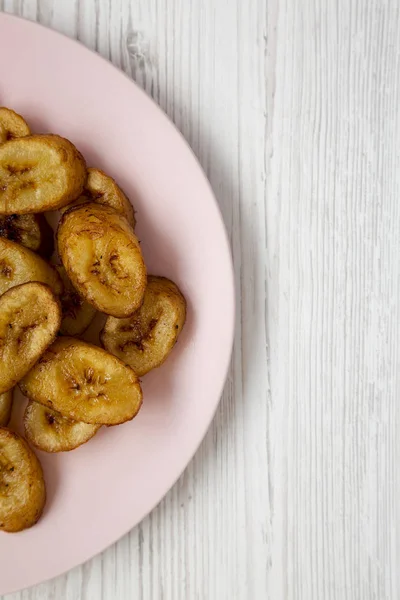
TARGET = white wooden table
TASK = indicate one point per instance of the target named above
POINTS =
(293, 110)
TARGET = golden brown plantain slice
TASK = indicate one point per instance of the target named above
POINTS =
(6, 402)
(32, 231)
(12, 125)
(49, 431)
(102, 257)
(77, 314)
(22, 487)
(20, 265)
(102, 189)
(145, 339)
(84, 383)
(39, 173)
(30, 316)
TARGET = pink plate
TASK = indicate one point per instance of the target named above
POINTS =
(60, 86)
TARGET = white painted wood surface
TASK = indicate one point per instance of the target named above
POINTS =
(293, 110)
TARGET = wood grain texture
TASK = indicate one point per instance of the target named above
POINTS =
(292, 109)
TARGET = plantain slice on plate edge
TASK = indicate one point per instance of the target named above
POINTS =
(77, 314)
(32, 231)
(39, 173)
(103, 189)
(22, 486)
(6, 402)
(30, 317)
(48, 430)
(84, 383)
(12, 125)
(102, 257)
(145, 340)
(19, 265)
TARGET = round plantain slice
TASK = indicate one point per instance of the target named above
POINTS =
(145, 339)
(39, 173)
(84, 383)
(103, 189)
(30, 316)
(32, 231)
(22, 487)
(77, 314)
(48, 430)
(20, 265)
(102, 258)
(6, 402)
(12, 125)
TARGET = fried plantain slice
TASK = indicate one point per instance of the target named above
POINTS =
(77, 314)
(6, 402)
(20, 265)
(103, 189)
(12, 125)
(39, 173)
(102, 258)
(48, 430)
(30, 316)
(84, 383)
(22, 487)
(32, 231)
(145, 339)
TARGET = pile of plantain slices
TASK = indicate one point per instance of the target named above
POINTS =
(46, 301)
